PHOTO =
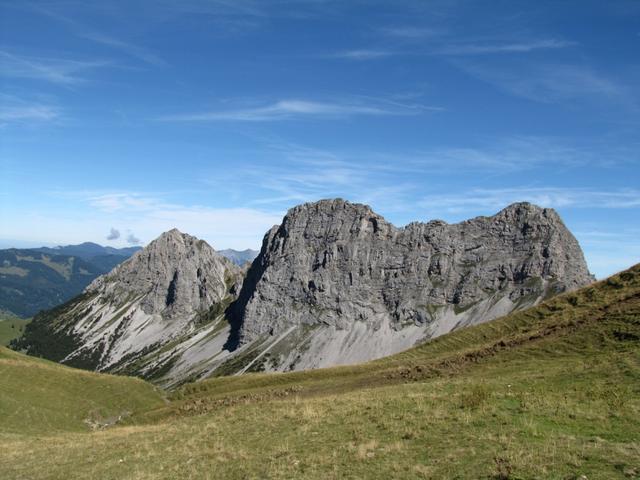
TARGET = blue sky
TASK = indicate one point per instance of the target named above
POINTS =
(123, 119)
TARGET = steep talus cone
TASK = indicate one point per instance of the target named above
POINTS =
(334, 263)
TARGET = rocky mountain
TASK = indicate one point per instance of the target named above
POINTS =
(335, 283)
(40, 278)
(176, 289)
(239, 257)
(342, 285)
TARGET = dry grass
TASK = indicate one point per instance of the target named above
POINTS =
(550, 393)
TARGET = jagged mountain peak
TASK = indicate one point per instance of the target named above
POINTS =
(175, 273)
(333, 207)
(174, 233)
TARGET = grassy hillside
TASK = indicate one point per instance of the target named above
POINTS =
(42, 397)
(552, 392)
(11, 327)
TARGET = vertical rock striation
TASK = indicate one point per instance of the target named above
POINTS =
(339, 267)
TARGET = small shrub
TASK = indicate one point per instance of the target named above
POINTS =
(503, 468)
(474, 398)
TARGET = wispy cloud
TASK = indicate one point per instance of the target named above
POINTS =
(55, 70)
(150, 214)
(126, 47)
(476, 200)
(113, 202)
(412, 32)
(249, 8)
(295, 108)
(16, 110)
(391, 180)
(445, 47)
(83, 31)
(41, 113)
(609, 251)
(303, 174)
(364, 54)
(517, 47)
(548, 82)
(505, 155)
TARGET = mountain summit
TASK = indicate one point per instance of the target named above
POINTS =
(166, 292)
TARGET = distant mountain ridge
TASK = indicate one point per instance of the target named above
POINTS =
(239, 257)
(37, 279)
(88, 250)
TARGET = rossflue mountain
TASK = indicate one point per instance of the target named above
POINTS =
(333, 284)
(552, 391)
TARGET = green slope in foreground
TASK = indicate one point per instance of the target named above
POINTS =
(40, 397)
(552, 392)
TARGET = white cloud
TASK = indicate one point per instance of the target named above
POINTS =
(40, 113)
(443, 48)
(411, 32)
(113, 202)
(149, 216)
(114, 234)
(364, 54)
(55, 70)
(516, 47)
(14, 110)
(476, 200)
(294, 108)
(132, 239)
(126, 47)
(391, 181)
(85, 32)
(547, 83)
(609, 252)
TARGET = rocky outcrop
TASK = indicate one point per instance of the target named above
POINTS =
(176, 275)
(174, 289)
(339, 267)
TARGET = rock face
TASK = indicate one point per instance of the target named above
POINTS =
(333, 284)
(175, 275)
(373, 289)
(176, 287)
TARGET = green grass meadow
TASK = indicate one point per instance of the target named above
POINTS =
(552, 392)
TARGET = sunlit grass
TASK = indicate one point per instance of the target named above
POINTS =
(549, 393)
